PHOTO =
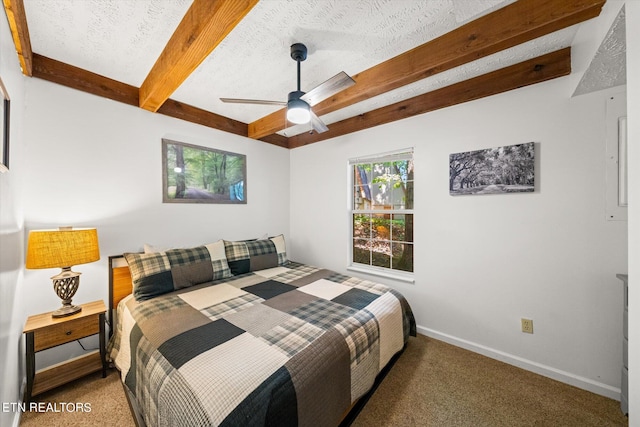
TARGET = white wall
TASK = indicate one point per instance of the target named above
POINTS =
(633, 122)
(11, 233)
(483, 262)
(95, 162)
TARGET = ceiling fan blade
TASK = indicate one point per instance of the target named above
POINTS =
(252, 101)
(324, 90)
(317, 124)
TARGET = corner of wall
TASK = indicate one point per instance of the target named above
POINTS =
(11, 238)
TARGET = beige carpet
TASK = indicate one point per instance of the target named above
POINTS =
(431, 384)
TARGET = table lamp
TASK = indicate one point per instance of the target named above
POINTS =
(63, 248)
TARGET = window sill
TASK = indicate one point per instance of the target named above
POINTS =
(402, 277)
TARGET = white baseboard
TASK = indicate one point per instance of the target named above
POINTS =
(547, 371)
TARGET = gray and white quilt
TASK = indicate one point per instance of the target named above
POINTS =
(290, 345)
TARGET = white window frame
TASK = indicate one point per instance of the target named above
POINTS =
(404, 276)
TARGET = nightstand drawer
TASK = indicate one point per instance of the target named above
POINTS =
(65, 332)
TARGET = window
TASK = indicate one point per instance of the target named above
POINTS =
(382, 212)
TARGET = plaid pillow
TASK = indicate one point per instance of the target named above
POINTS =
(281, 249)
(155, 274)
(253, 255)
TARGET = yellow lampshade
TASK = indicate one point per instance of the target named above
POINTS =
(64, 247)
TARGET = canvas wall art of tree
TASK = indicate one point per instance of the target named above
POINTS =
(194, 174)
(506, 169)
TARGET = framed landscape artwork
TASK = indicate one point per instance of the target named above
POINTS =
(194, 174)
(4, 118)
(506, 169)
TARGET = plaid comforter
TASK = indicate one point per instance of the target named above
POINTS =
(292, 345)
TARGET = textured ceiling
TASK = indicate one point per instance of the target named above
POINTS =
(121, 39)
(609, 66)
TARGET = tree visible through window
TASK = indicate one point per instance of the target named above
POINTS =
(382, 211)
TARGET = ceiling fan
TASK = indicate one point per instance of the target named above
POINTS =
(299, 103)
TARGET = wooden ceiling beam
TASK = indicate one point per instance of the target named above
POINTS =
(197, 115)
(542, 68)
(275, 139)
(509, 26)
(86, 81)
(81, 79)
(203, 27)
(20, 33)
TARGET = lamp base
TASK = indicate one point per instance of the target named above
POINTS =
(66, 310)
(66, 284)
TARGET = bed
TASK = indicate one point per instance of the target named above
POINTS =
(234, 333)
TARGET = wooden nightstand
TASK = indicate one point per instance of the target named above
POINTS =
(43, 332)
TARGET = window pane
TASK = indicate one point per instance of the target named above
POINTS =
(402, 227)
(381, 224)
(398, 227)
(402, 195)
(408, 195)
(362, 173)
(397, 195)
(404, 169)
(362, 251)
(402, 256)
(360, 198)
(361, 187)
(404, 183)
(381, 254)
(362, 225)
(381, 186)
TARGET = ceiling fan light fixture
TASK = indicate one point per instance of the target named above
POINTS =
(299, 103)
(298, 111)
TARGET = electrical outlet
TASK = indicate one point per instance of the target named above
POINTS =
(527, 325)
